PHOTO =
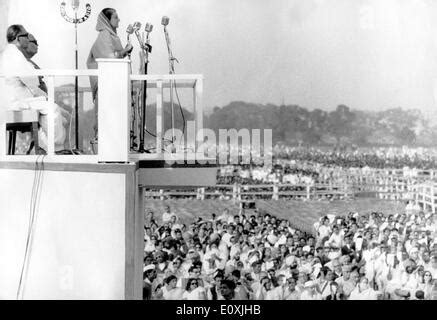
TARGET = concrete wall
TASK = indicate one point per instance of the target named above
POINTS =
(79, 244)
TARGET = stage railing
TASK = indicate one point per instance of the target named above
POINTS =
(114, 96)
(277, 191)
(49, 77)
(193, 82)
(426, 196)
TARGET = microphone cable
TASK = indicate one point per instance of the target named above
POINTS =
(72, 113)
(34, 202)
(181, 110)
(174, 84)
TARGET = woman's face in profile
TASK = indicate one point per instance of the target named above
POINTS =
(115, 21)
(334, 289)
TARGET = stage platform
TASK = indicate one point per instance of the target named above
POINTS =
(87, 240)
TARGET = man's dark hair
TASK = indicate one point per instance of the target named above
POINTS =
(13, 31)
(229, 283)
(236, 274)
(170, 278)
(420, 295)
(325, 270)
(192, 268)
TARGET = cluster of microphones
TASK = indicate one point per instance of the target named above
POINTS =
(135, 28)
(146, 48)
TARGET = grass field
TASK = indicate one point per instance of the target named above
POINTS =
(302, 214)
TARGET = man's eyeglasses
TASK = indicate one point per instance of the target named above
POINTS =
(27, 36)
(23, 35)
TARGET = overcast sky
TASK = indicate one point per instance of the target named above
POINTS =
(367, 54)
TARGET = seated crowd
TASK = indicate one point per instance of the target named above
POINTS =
(261, 257)
(381, 158)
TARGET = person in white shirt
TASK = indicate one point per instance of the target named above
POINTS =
(336, 238)
(324, 230)
(225, 216)
(170, 291)
(427, 285)
(363, 291)
(310, 292)
(150, 244)
(25, 92)
(433, 267)
(167, 215)
(193, 290)
(408, 283)
(266, 291)
(346, 272)
(324, 285)
(290, 292)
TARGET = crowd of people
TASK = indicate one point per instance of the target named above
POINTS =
(257, 256)
(378, 158)
(278, 173)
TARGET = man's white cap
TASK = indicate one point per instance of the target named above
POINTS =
(331, 218)
(149, 267)
(306, 249)
(253, 259)
(272, 239)
(289, 260)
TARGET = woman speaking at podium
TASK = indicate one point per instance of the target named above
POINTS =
(107, 46)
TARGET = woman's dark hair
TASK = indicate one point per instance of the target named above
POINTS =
(187, 287)
(170, 279)
(108, 12)
(236, 274)
(325, 270)
(333, 283)
(149, 256)
(13, 31)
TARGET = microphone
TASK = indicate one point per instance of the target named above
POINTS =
(75, 4)
(165, 21)
(136, 26)
(129, 31)
(149, 27)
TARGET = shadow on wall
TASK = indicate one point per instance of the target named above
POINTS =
(4, 10)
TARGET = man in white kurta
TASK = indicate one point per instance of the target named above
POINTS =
(21, 93)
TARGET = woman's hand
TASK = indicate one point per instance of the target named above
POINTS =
(123, 53)
(128, 49)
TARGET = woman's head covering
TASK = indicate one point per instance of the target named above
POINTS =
(104, 24)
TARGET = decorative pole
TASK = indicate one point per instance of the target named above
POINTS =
(75, 6)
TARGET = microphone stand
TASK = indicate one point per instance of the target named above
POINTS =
(76, 20)
(76, 85)
(147, 49)
(171, 59)
(132, 132)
